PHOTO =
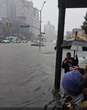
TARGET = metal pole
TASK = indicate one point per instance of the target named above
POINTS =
(40, 20)
(59, 48)
(40, 28)
(41, 25)
(76, 33)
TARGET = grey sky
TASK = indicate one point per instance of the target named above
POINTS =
(74, 17)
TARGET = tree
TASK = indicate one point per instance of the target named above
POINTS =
(84, 26)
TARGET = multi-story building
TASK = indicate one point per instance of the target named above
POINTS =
(31, 14)
(50, 32)
(79, 31)
(25, 8)
(68, 35)
(76, 33)
(3, 8)
(20, 12)
(36, 22)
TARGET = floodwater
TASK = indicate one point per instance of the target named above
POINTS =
(26, 75)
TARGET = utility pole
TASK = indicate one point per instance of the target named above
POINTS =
(59, 50)
(40, 35)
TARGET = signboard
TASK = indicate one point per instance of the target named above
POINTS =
(72, 3)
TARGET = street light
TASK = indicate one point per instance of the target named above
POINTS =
(41, 22)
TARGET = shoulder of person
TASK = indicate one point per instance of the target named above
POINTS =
(65, 59)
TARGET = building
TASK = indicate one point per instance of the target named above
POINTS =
(22, 16)
(7, 9)
(68, 35)
(36, 22)
(72, 34)
(31, 15)
(50, 32)
(80, 32)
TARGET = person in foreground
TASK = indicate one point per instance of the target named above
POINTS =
(75, 86)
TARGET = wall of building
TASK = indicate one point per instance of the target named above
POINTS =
(20, 12)
(50, 32)
(36, 22)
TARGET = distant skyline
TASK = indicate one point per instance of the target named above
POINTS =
(74, 17)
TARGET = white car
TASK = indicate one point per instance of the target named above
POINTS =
(5, 41)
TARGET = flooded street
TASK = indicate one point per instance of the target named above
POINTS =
(26, 75)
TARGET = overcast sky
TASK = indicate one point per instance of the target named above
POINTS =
(74, 17)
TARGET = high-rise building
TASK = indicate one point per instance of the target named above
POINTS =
(7, 9)
(50, 32)
(20, 12)
(31, 14)
(36, 22)
(3, 8)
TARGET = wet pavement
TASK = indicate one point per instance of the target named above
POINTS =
(26, 75)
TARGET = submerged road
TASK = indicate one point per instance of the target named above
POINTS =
(26, 75)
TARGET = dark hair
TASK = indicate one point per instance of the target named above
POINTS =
(68, 53)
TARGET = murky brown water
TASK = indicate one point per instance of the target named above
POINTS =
(26, 75)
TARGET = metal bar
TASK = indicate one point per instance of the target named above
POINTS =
(40, 20)
(40, 36)
(73, 3)
(59, 48)
(43, 5)
(40, 28)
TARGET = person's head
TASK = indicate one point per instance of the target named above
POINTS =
(73, 83)
(68, 55)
